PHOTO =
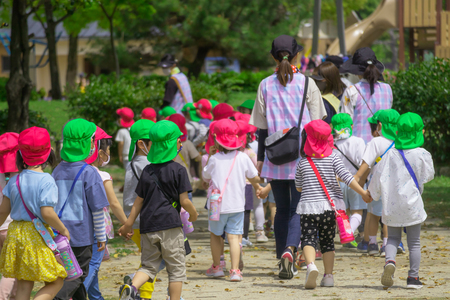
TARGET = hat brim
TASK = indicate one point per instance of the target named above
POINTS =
(162, 152)
(206, 115)
(166, 64)
(317, 77)
(126, 124)
(37, 160)
(297, 49)
(8, 162)
(229, 143)
(324, 149)
(349, 67)
(409, 140)
(193, 115)
(388, 132)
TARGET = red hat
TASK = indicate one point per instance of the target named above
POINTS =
(226, 133)
(244, 128)
(317, 139)
(210, 141)
(126, 117)
(222, 111)
(35, 145)
(9, 144)
(181, 123)
(205, 108)
(100, 134)
(252, 129)
(331, 142)
(149, 114)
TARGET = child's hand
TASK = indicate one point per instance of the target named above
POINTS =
(205, 185)
(193, 218)
(101, 246)
(126, 231)
(65, 233)
(366, 197)
(264, 192)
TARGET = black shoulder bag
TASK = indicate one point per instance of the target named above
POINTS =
(283, 146)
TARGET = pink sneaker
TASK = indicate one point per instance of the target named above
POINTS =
(235, 275)
(215, 271)
(318, 255)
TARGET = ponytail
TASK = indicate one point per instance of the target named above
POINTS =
(371, 74)
(284, 73)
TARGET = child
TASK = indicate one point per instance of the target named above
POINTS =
(83, 215)
(197, 133)
(222, 111)
(149, 114)
(246, 107)
(25, 254)
(123, 135)
(9, 145)
(162, 188)
(399, 181)
(239, 166)
(203, 109)
(101, 158)
(316, 212)
(349, 149)
(375, 150)
(139, 149)
(166, 112)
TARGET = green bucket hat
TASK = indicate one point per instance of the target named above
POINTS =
(191, 109)
(164, 136)
(248, 104)
(410, 134)
(374, 119)
(342, 125)
(213, 103)
(139, 130)
(388, 119)
(167, 111)
(77, 135)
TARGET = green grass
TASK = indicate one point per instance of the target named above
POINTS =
(237, 98)
(435, 197)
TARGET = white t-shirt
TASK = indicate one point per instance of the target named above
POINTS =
(375, 148)
(2, 186)
(123, 135)
(217, 170)
(353, 148)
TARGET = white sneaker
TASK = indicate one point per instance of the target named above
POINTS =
(251, 227)
(311, 276)
(327, 280)
(246, 242)
(261, 237)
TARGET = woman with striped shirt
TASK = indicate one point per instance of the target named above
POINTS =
(314, 208)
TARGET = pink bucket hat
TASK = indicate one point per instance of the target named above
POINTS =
(100, 134)
(244, 128)
(226, 133)
(252, 129)
(210, 141)
(317, 143)
(9, 145)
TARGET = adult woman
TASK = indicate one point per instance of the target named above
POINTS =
(368, 96)
(277, 107)
(178, 90)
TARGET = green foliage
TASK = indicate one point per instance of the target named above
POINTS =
(246, 81)
(3, 81)
(36, 119)
(425, 89)
(369, 7)
(329, 7)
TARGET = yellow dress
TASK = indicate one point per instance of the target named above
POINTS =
(25, 255)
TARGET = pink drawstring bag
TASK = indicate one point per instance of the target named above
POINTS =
(188, 227)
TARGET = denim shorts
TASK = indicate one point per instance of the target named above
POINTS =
(352, 199)
(375, 208)
(229, 223)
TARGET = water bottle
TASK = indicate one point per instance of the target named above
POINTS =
(68, 258)
(187, 225)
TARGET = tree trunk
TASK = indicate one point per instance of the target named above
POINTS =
(72, 63)
(196, 66)
(113, 47)
(18, 88)
(52, 54)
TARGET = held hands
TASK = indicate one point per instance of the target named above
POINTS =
(101, 246)
(367, 197)
(263, 192)
(126, 231)
(193, 218)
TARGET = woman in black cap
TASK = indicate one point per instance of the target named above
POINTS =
(178, 90)
(363, 99)
(278, 106)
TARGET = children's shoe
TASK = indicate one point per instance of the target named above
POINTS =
(286, 265)
(241, 259)
(261, 237)
(251, 227)
(311, 276)
(318, 255)
(401, 249)
(387, 279)
(383, 251)
(127, 279)
(246, 243)
(301, 262)
(327, 280)
(127, 292)
(223, 263)
(216, 271)
(351, 245)
(373, 249)
(362, 247)
(235, 275)
(413, 283)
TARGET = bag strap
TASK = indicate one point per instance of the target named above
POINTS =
(409, 168)
(303, 102)
(364, 100)
(353, 164)
(381, 156)
(32, 216)
(313, 166)
(182, 158)
(134, 171)
(228, 176)
(179, 87)
(71, 189)
(158, 184)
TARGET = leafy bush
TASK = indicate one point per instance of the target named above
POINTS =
(3, 81)
(246, 81)
(425, 89)
(35, 119)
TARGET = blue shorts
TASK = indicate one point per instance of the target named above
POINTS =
(375, 208)
(230, 223)
(352, 199)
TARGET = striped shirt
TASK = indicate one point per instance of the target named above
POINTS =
(99, 225)
(313, 199)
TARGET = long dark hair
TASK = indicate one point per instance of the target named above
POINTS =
(284, 73)
(21, 165)
(331, 74)
(302, 147)
(371, 74)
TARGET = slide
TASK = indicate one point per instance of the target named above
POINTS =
(365, 32)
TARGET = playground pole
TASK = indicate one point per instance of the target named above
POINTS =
(401, 36)
(341, 26)
(316, 26)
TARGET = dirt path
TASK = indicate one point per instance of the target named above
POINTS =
(356, 276)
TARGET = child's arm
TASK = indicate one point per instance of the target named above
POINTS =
(51, 218)
(264, 192)
(114, 203)
(99, 228)
(5, 209)
(255, 182)
(364, 193)
(188, 206)
(361, 175)
(127, 229)
(348, 179)
(120, 146)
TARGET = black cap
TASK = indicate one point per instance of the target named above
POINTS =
(168, 60)
(336, 60)
(285, 43)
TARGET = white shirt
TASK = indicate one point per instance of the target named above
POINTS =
(402, 201)
(375, 148)
(217, 170)
(123, 135)
(254, 146)
(353, 148)
(2, 186)
(350, 95)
